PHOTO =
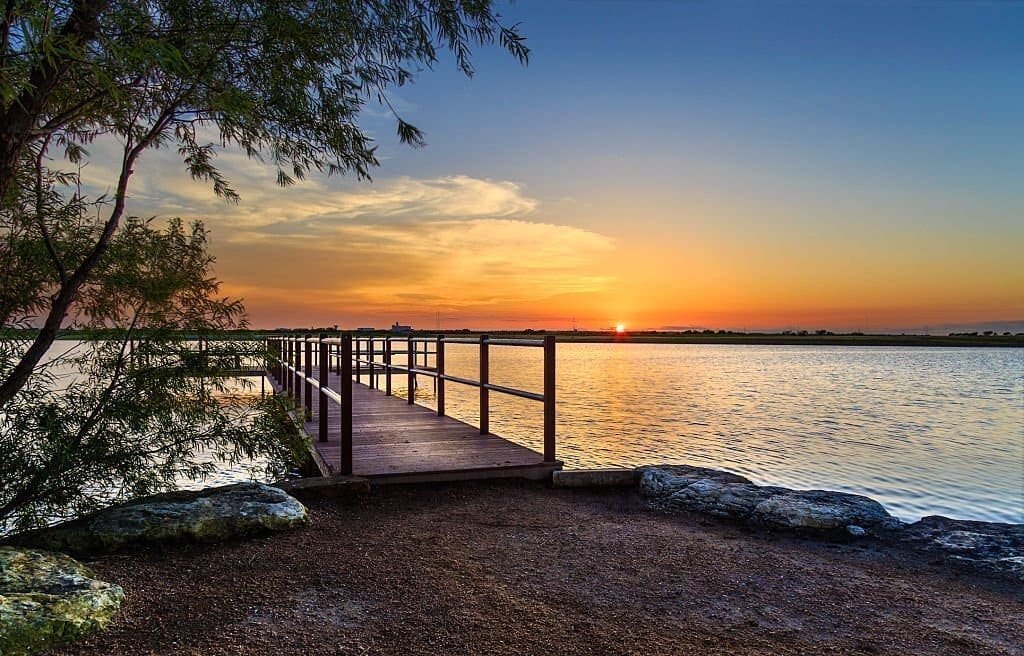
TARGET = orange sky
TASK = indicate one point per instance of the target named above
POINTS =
(460, 251)
(729, 179)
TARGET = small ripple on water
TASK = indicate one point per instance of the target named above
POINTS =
(925, 431)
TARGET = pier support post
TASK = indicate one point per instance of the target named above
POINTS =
(485, 394)
(346, 404)
(549, 398)
(324, 377)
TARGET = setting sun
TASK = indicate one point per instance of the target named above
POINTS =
(620, 328)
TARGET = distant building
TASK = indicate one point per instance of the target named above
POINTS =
(399, 328)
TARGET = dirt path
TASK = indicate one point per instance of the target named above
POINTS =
(518, 568)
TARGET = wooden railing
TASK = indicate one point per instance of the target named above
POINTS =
(292, 361)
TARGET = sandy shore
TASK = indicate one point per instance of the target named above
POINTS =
(518, 568)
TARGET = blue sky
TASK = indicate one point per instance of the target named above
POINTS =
(728, 164)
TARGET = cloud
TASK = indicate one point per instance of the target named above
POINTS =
(453, 196)
(451, 242)
(162, 187)
(448, 263)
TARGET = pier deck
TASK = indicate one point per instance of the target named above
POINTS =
(396, 442)
(362, 430)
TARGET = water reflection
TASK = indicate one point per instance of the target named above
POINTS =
(923, 430)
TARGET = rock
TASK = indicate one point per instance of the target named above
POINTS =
(210, 515)
(595, 478)
(721, 499)
(724, 494)
(48, 599)
(819, 510)
(657, 481)
(856, 531)
(326, 487)
(988, 546)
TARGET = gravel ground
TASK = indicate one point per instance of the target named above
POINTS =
(497, 568)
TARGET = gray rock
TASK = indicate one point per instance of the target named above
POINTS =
(819, 510)
(658, 481)
(721, 499)
(856, 531)
(988, 546)
(210, 515)
(724, 494)
(48, 599)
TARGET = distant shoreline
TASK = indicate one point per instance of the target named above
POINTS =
(801, 340)
(639, 337)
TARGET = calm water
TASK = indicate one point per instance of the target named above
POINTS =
(224, 472)
(923, 430)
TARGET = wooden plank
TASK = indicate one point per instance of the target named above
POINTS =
(397, 442)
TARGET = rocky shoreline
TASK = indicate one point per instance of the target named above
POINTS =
(48, 599)
(989, 547)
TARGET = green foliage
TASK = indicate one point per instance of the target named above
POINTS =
(136, 410)
(284, 82)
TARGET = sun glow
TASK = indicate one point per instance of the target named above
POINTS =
(620, 328)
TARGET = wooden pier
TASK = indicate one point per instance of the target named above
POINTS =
(364, 430)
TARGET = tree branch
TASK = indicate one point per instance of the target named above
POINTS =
(66, 295)
(19, 118)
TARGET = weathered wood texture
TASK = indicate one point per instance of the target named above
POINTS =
(394, 441)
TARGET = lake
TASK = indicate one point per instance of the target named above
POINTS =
(923, 430)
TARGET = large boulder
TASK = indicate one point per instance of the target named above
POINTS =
(48, 599)
(724, 494)
(721, 499)
(822, 510)
(210, 515)
(661, 481)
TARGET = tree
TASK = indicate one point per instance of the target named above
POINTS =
(284, 81)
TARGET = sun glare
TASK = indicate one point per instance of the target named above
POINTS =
(620, 328)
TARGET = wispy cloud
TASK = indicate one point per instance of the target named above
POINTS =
(401, 244)
(161, 186)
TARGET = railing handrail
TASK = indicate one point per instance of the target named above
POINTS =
(430, 339)
(291, 365)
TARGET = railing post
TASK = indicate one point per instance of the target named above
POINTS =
(324, 378)
(308, 370)
(387, 366)
(410, 361)
(287, 379)
(485, 397)
(439, 360)
(272, 352)
(549, 398)
(271, 365)
(359, 365)
(298, 373)
(346, 404)
(371, 348)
